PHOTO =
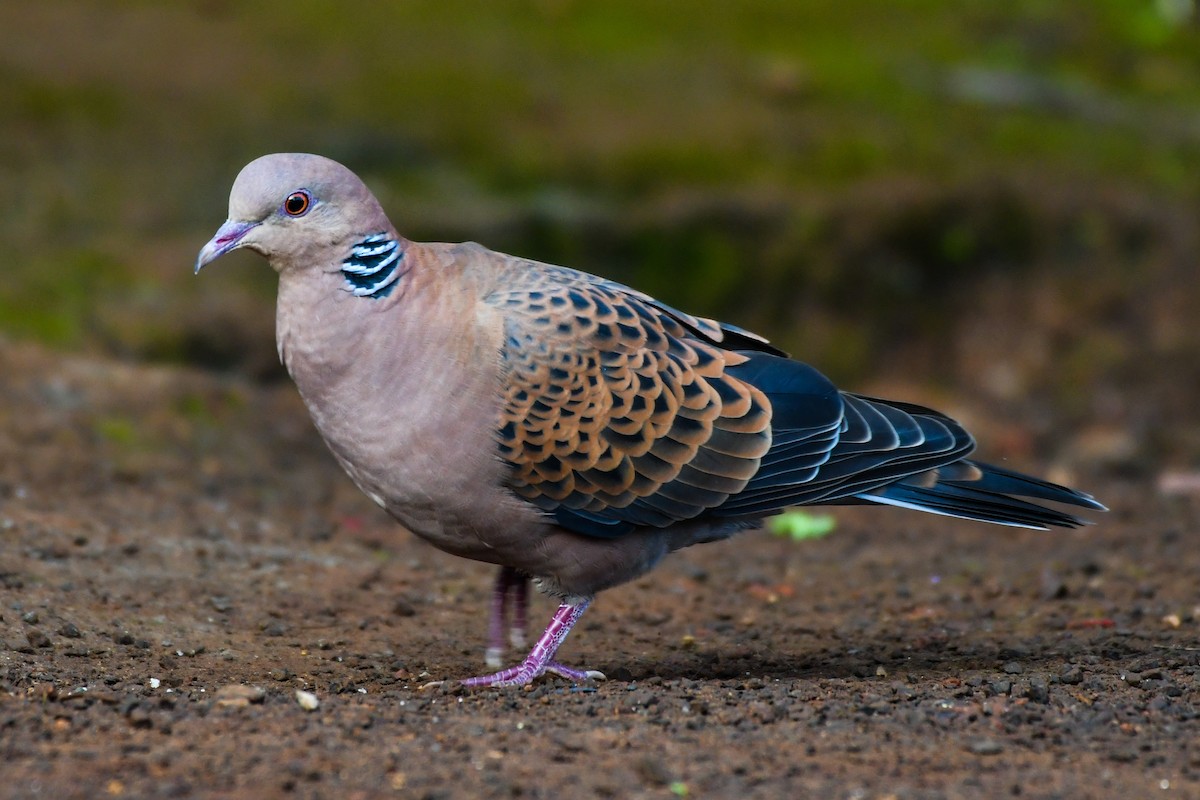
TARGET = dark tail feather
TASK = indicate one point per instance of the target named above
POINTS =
(991, 497)
(1005, 481)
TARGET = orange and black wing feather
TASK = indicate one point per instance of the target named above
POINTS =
(619, 411)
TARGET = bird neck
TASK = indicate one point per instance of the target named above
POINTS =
(375, 266)
(329, 330)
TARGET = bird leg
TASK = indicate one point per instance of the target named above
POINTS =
(509, 583)
(520, 620)
(541, 658)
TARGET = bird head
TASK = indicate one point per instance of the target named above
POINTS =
(296, 209)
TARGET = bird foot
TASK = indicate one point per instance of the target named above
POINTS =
(541, 658)
(525, 673)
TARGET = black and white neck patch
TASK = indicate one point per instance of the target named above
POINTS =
(371, 270)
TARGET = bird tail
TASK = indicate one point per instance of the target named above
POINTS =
(984, 492)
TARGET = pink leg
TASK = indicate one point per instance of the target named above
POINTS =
(509, 583)
(520, 619)
(541, 658)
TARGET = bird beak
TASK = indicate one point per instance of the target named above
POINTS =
(228, 237)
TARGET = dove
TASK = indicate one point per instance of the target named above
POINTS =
(570, 429)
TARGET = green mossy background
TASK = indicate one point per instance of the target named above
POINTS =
(994, 199)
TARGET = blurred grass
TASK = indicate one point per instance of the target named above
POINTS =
(843, 176)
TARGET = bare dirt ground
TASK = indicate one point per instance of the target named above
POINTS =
(167, 535)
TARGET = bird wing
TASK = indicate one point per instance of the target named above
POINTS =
(878, 444)
(620, 411)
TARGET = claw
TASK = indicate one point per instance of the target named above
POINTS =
(575, 675)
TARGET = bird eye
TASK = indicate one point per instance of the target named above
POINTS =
(297, 203)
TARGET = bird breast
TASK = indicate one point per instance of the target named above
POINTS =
(405, 393)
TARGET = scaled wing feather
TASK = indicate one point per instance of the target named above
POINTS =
(618, 407)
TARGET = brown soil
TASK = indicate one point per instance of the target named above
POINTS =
(166, 535)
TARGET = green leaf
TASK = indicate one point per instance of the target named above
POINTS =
(800, 525)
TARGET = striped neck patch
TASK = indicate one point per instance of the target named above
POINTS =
(371, 270)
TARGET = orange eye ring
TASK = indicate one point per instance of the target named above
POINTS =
(297, 204)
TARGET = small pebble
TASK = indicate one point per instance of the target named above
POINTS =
(37, 638)
(985, 747)
(307, 700)
(1013, 668)
(1052, 586)
(236, 695)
